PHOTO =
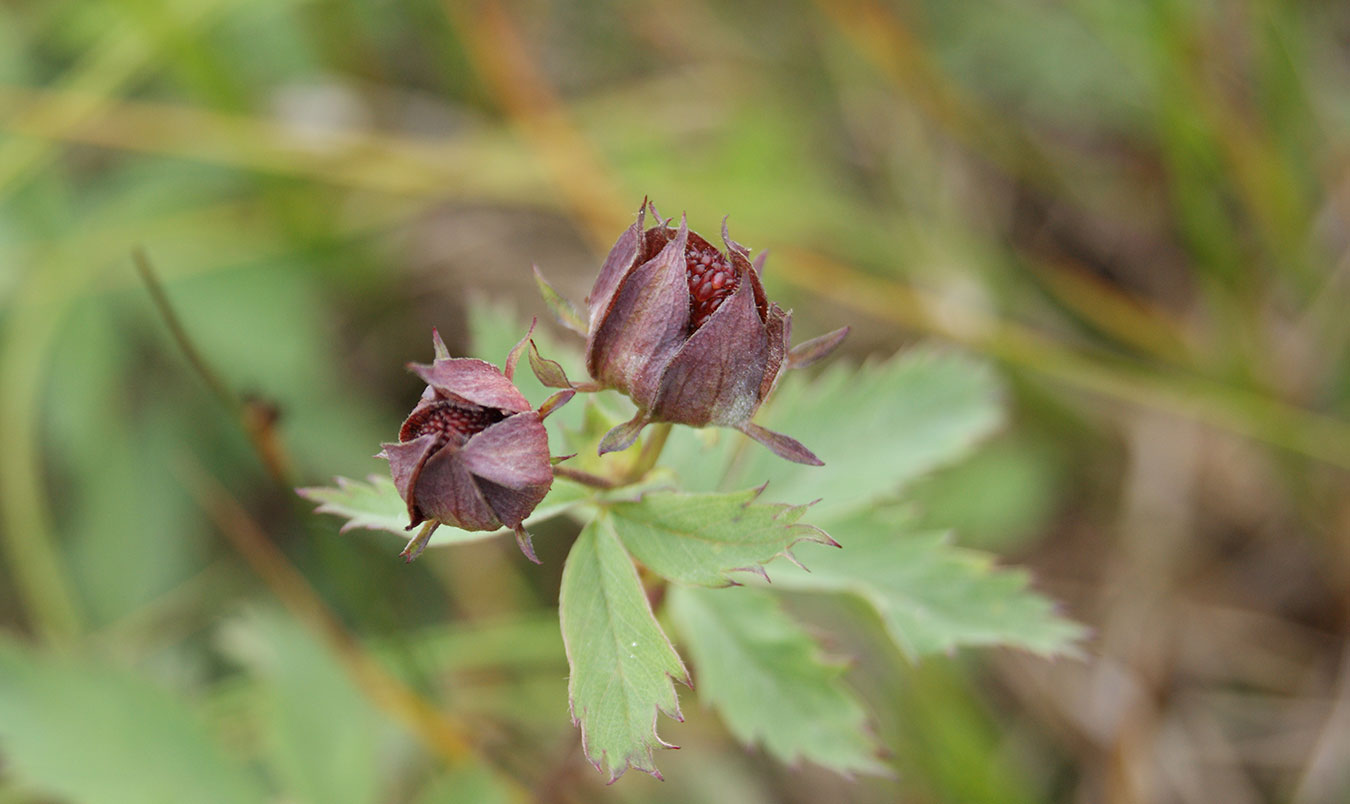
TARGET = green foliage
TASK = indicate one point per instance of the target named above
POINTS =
(287, 200)
(876, 427)
(623, 666)
(765, 677)
(932, 596)
(700, 538)
(375, 505)
(885, 424)
(88, 732)
(298, 691)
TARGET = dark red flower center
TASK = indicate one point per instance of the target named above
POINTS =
(711, 280)
(449, 421)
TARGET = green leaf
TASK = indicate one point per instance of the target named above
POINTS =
(375, 505)
(623, 666)
(372, 505)
(699, 538)
(932, 596)
(81, 731)
(765, 677)
(876, 427)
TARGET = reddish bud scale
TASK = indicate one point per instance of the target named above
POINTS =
(711, 280)
(450, 421)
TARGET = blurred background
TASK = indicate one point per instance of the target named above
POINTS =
(1138, 212)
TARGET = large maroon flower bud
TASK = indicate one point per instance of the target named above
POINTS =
(472, 453)
(686, 331)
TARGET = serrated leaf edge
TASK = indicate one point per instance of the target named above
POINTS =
(839, 666)
(812, 533)
(984, 562)
(617, 770)
(310, 493)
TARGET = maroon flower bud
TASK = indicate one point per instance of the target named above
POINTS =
(686, 331)
(472, 453)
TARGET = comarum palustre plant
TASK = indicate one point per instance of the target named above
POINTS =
(686, 332)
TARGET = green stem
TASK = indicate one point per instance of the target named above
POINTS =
(256, 416)
(28, 542)
(179, 333)
(651, 452)
(584, 478)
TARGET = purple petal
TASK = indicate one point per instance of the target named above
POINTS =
(732, 246)
(779, 329)
(781, 445)
(446, 491)
(405, 464)
(716, 376)
(473, 380)
(747, 271)
(512, 453)
(808, 352)
(622, 436)
(644, 325)
(510, 505)
(620, 261)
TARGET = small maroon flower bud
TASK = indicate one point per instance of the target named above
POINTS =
(686, 331)
(472, 454)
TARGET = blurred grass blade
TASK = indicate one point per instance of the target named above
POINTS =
(122, 53)
(79, 730)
